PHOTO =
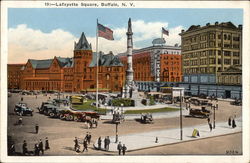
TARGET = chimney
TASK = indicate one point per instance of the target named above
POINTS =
(182, 30)
(240, 26)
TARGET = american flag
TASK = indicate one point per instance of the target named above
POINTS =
(105, 32)
(164, 31)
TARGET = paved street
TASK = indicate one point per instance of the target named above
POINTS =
(62, 133)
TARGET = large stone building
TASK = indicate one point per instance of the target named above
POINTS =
(209, 49)
(74, 74)
(209, 54)
(14, 74)
(156, 63)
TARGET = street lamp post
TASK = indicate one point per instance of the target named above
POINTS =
(116, 132)
(215, 107)
(122, 108)
(180, 114)
(105, 105)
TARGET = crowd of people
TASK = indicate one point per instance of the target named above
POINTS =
(38, 148)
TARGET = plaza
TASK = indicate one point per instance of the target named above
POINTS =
(166, 126)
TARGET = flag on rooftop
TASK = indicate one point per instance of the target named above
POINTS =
(164, 31)
(105, 32)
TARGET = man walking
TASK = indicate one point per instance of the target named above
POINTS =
(99, 143)
(105, 143)
(119, 147)
(41, 146)
(36, 150)
(124, 148)
(37, 128)
(76, 144)
(47, 143)
(210, 126)
(25, 149)
(85, 145)
(233, 123)
(229, 121)
(108, 142)
(89, 138)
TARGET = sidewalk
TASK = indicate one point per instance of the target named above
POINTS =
(171, 136)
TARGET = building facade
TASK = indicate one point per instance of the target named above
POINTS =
(74, 74)
(156, 63)
(14, 74)
(209, 49)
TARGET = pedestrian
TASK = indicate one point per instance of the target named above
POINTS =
(208, 119)
(229, 121)
(119, 147)
(124, 148)
(36, 96)
(47, 143)
(96, 123)
(233, 123)
(41, 146)
(21, 98)
(105, 143)
(85, 145)
(20, 120)
(108, 142)
(12, 150)
(37, 128)
(25, 149)
(36, 150)
(99, 143)
(90, 124)
(76, 144)
(210, 126)
(89, 138)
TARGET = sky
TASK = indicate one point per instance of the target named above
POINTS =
(42, 33)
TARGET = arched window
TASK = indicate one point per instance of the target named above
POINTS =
(107, 76)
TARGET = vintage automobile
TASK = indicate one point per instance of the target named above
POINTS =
(236, 102)
(22, 109)
(204, 113)
(44, 105)
(146, 118)
(80, 116)
(118, 118)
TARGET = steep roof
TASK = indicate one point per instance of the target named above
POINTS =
(40, 64)
(105, 60)
(82, 43)
(43, 64)
(65, 62)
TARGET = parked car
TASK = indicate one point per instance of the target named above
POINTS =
(22, 109)
(204, 113)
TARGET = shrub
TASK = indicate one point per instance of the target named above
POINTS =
(124, 101)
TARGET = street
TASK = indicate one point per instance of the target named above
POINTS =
(62, 133)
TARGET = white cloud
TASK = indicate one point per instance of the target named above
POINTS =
(27, 43)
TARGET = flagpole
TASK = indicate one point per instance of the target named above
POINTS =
(97, 62)
(161, 34)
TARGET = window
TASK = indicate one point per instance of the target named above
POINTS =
(236, 61)
(236, 54)
(227, 61)
(227, 53)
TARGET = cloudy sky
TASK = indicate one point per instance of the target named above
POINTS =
(44, 33)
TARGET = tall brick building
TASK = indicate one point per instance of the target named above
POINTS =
(156, 63)
(73, 74)
(209, 49)
(14, 74)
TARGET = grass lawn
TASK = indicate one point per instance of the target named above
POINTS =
(87, 106)
(166, 109)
